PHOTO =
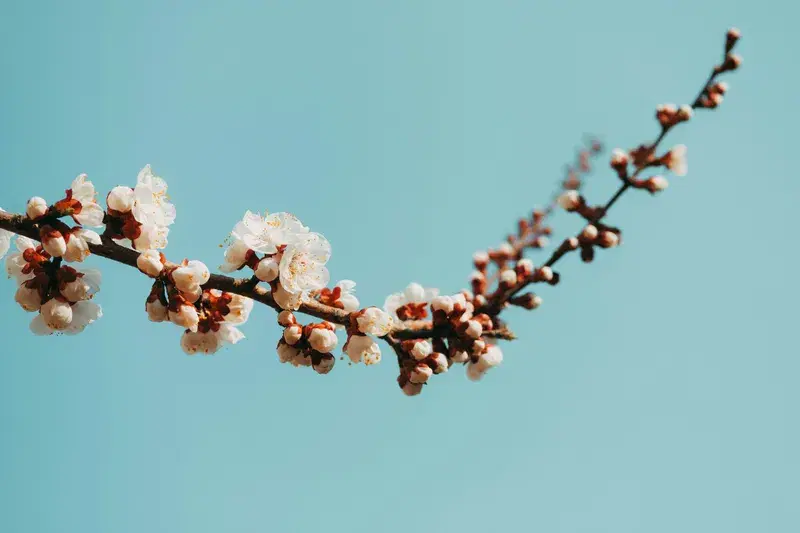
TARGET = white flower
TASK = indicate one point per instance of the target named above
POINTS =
(474, 329)
(287, 353)
(421, 350)
(30, 299)
(82, 314)
(149, 262)
(443, 303)
(151, 203)
(5, 240)
(323, 340)
(15, 261)
(373, 321)
(677, 160)
(292, 334)
(301, 359)
(362, 348)
(441, 363)
(121, 199)
(412, 389)
(151, 237)
(325, 364)
(569, 200)
(78, 244)
(268, 268)
(91, 214)
(413, 294)
(53, 241)
(193, 342)
(156, 311)
(348, 298)
(190, 277)
(239, 309)
(658, 183)
(287, 300)
(508, 276)
(37, 207)
(235, 256)
(57, 314)
(185, 317)
(83, 287)
(490, 359)
(420, 373)
(460, 356)
(265, 234)
(302, 266)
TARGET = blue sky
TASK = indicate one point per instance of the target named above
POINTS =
(655, 390)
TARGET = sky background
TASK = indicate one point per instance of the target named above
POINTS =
(655, 390)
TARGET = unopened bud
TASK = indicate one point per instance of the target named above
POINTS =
(569, 200)
(589, 233)
(36, 208)
(608, 239)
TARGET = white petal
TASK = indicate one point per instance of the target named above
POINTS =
(90, 215)
(229, 333)
(39, 326)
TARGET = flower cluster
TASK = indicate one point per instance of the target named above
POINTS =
(140, 216)
(428, 332)
(59, 294)
(309, 345)
(283, 252)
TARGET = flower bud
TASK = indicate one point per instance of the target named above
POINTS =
(323, 340)
(420, 374)
(569, 200)
(156, 311)
(28, 298)
(56, 313)
(150, 263)
(120, 199)
(36, 208)
(268, 269)
(293, 334)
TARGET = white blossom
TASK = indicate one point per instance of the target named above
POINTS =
(36, 207)
(323, 340)
(413, 294)
(373, 321)
(188, 278)
(235, 256)
(460, 356)
(185, 316)
(421, 350)
(412, 389)
(287, 300)
(293, 334)
(82, 314)
(151, 237)
(28, 298)
(149, 262)
(53, 241)
(239, 309)
(266, 234)
(508, 276)
(193, 342)
(474, 329)
(5, 240)
(156, 311)
(420, 373)
(151, 204)
(569, 200)
(78, 244)
(268, 269)
(362, 348)
(286, 352)
(659, 183)
(57, 313)
(121, 199)
(677, 160)
(302, 266)
(441, 363)
(325, 364)
(91, 214)
(15, 261)
(347, 297)
(83, 287)
(443, 303)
